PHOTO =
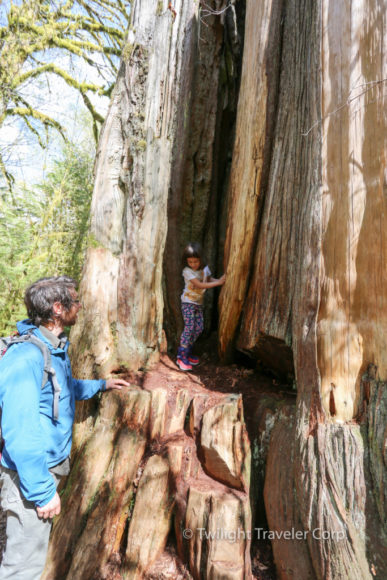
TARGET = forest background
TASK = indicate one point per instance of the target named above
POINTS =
(58, 64)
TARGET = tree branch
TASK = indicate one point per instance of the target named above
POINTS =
(52, 68)
(30, 112)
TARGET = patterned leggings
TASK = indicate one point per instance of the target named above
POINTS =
(193, 323)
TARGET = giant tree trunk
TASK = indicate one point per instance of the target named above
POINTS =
(318, 285)
(121, 322)
(305, 293)
(140, 469)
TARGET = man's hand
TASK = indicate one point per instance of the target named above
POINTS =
(51, 509)
(116, 384)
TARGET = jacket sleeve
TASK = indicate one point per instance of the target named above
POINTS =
(87, 389)
(24, 444)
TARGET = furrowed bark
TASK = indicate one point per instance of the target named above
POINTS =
(316, 293)
(251, 157)
(129, 208)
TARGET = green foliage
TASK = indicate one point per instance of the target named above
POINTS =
(43, 230)
(35, 35)
(68, 189)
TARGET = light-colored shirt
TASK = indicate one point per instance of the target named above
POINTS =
(191, 294)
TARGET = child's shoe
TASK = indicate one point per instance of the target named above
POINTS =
(182, 360)
(192, 359)
(183, 366)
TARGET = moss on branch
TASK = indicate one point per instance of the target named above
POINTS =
(92, 30)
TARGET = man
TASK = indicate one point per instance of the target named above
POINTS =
(37, 424)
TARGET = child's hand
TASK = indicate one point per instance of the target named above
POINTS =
(222, 280)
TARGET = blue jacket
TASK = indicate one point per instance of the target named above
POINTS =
(33, 440)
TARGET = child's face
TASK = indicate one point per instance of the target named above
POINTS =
(193, 263)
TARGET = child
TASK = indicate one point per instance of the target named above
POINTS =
(197, 278)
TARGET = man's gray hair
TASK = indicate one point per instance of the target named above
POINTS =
(40, 297)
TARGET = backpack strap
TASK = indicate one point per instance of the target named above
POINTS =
(48, 369)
